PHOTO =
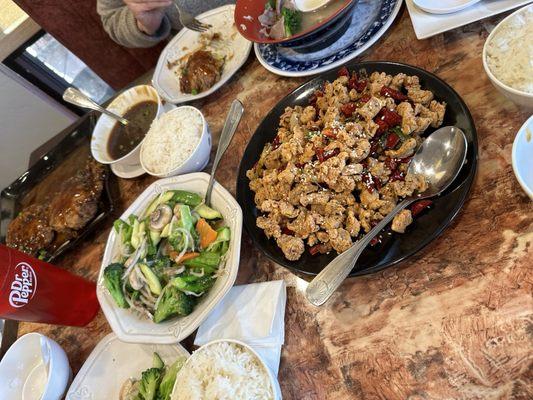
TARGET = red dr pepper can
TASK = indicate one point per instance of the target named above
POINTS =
(35, 291)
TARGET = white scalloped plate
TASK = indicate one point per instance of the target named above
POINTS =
(133, 328)
(112, 362)
(167, 82)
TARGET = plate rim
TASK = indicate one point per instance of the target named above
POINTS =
(468, 181)
(163, 56)
(336, 64)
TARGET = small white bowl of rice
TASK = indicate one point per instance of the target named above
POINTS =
(508, 56)
(225, 369)
(178, 142)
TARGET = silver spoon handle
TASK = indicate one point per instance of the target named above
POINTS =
(230, 126)
(330, 278)
(74, 96)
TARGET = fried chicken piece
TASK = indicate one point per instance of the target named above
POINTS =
(401, 221)
(292, 247)
(76, 203)
(30, 230)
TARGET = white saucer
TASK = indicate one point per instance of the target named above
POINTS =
(127, 171)
(443, 6)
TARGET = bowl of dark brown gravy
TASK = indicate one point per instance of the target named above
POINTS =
(114, 142)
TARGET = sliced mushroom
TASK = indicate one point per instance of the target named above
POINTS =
(160, 217)
(135, 279)
(129, 389)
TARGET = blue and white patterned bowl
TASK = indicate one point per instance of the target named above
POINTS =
(370, 20)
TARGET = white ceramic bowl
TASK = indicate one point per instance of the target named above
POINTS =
(197, 160)
(112, 362)
(122, 103)
(131, 327)
(517, 96)
(23, 373)
(273, 380)
(523, 157)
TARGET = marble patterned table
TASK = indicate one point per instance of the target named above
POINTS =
(453, 322)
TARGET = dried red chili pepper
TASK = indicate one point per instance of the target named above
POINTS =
(375, 240)
(299, 165)
(397, 176)
(344, 72)
(360, 85)
(331, 153)
(287, 231)
(319, 154)
(392, 118)
(314, 250)
(328, 132)
(382, 127)
(392, 140)
(419, 206)
(395, 94)
(276, 142)
(348, 109)
(391, 163)
(364, 98)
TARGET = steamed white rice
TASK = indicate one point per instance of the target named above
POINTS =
(223, 371)
(171, 140)
(510, 51)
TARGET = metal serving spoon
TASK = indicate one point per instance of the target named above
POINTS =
(439, 160)
(230, 126)
(74, 96)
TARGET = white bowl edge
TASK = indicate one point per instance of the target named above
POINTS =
(173, 331)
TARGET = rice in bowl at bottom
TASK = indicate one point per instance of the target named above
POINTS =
(172, 138)
(223, 370)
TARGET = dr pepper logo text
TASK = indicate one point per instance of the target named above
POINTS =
(23, 286)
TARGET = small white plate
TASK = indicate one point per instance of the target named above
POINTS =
(133, 328)
(427, 25)
(523, 157)
(444, 6)
(186, 41)
(123, 170)
(112, 362)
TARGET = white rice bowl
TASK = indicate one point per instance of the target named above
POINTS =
(171, 140)
(509, 51)
(223, 370)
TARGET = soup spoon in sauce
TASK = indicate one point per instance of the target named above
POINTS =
(74, 96)
(439, 161)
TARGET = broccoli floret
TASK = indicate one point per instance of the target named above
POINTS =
(113, 283)
(167, 383)
(173, 302)
(292, 21)
(195, 284)
(150, 380)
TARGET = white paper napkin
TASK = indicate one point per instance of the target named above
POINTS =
(254, 314)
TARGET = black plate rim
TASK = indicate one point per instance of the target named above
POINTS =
(453, 213)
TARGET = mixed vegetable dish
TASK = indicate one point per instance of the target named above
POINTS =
(156, 383)
(169, 256)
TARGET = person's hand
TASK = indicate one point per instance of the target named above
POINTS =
(148, 13)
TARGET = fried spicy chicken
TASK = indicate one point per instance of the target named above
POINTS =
(339, 165)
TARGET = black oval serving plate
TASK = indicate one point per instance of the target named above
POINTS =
(76, 135)
(394, 247)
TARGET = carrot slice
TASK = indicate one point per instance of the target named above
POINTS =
(187, 256)
(207, 234)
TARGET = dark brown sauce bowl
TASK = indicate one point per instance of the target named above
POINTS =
(120, 105)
